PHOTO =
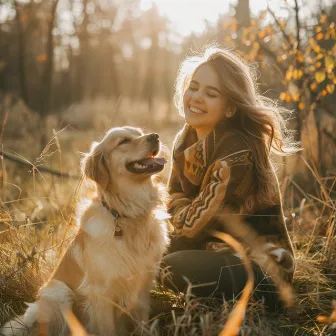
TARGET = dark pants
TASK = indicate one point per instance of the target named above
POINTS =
(214, 274)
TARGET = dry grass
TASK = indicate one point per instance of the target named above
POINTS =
(37, 221)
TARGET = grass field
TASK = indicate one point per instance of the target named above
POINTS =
(37, 220)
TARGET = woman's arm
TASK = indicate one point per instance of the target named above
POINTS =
(178, 199)
(227, 182)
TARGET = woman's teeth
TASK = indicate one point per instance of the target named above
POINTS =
(196, 110)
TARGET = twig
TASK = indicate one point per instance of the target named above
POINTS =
(75, 326)
(298, 27)
(21, 59)
(43, 169)
(270, 53)
(323, 189)
(235, 320)
(279, 25)
(329, 135)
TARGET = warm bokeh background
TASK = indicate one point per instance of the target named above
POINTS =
(93, 64)
(71, 69)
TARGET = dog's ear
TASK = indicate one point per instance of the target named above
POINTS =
(95, 166)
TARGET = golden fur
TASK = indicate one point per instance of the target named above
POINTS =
(102, 276)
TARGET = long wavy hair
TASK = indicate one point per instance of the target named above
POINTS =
(259, 117)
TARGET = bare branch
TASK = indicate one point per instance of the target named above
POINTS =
(22, 162)
(298, 26)
(22, 51)
(48, 71)
(287, 38)
(270, 53)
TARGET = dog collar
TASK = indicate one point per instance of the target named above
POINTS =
(117, 229)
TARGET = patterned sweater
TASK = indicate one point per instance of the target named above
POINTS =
(216, 175)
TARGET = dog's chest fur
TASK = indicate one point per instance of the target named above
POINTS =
(119, 266)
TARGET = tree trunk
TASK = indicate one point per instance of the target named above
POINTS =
(83, 58)
(113, 73)
(22, 52)
(149, 86)
(47, 78)
(243, 13)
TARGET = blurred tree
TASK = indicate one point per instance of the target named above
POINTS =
(27, 25)
(84, 45)
(22, 53)
(155, 26)
(167, 76)
(297, 60)
(243, 13)
(58, 52)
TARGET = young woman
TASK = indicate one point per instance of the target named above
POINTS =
(221, 165)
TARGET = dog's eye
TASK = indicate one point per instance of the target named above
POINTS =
(124, 141)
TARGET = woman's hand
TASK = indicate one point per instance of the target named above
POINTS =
(178, 199)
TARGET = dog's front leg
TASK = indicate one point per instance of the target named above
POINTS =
(101, 317)
(54, 299)
(141, 309)
(44, 315)
(141, 313)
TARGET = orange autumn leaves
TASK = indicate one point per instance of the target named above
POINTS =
(305, 64)
(313, 66)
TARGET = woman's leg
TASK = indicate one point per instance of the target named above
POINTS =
(214, 273)
(180, 243)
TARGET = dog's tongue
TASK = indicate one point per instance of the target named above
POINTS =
(154, 160)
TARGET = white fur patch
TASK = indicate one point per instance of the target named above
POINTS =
(100, 225)
(77, 254)
(58, 292)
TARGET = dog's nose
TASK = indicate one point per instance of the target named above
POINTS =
(153, 137)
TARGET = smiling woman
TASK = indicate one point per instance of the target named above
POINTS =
(221, 167)
(204, 101)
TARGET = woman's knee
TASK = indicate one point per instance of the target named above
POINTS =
(208, 272)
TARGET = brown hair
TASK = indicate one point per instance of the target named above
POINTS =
(256, 115)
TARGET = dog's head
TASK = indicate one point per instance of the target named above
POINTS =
(124, 152)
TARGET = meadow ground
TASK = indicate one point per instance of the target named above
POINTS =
(37, 221)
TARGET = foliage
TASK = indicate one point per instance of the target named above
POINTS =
(301, 60)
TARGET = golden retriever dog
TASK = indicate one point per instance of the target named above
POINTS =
(105, 276)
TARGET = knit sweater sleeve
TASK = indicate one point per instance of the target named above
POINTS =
(227, 182)
(178, 199)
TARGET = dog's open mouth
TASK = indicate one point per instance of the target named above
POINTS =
(150, 164)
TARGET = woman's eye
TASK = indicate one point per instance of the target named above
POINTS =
(192, 88)
(124, 141)
(211, 94)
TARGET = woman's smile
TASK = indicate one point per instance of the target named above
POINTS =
(204, 102)
(196, 110)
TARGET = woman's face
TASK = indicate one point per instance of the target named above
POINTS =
(204, 101)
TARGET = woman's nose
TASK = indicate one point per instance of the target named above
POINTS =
(198, 96)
